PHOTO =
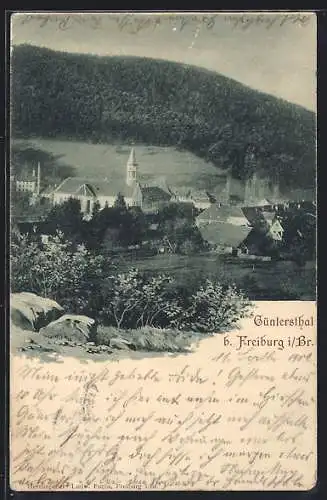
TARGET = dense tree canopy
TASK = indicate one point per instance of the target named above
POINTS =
(176, 226)
(300, 234)
(66, 218)
(114, 226)
(162, 103)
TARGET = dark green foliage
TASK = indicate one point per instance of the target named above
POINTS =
(101, 99)
(20, 203)
(23, 206)
(96, 208)
(178, 230)
(86, 283)
(212, 307)
(140, 299)
(120, 203)
(57, 271)
(120, 226)
(173, 211)
(114, 226)
(67, 218)
(300, 234)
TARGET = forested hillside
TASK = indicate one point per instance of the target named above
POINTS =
(101, 99)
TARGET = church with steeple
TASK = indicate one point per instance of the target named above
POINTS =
(131, 169)
(149, 195)
(104, 192)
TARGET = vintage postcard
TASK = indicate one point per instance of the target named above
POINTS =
(163, 251)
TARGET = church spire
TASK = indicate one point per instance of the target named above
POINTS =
(131, 170)
(132, 158)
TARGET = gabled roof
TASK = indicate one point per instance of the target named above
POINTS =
(224, 234)
(200, 195)
(152, 194)
(48, 190)
(254, 238)
(277, 223)
(159, 182)
(222, 213)
(94, 187)
(86, 190)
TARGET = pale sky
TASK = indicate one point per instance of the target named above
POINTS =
(274, 53)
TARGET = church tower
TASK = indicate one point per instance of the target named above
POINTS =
(131, 170)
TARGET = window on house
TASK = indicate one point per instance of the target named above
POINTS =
(88, 206)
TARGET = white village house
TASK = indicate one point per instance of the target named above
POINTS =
(29, 183)
(230, 227)
(90, 191)
(152, 195)
(276, 230)
(199, 198)
(149, 195)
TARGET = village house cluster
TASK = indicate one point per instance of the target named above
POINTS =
(232, 217)
(30, 183)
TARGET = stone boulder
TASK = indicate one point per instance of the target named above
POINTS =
(72, 327)
(29, 311)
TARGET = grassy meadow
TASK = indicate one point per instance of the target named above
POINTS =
(180, 168)
(281, 280)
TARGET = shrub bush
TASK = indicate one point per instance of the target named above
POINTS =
(135, 299)
(55, 270)
(84, 283)
(139, 300)
(148, 338)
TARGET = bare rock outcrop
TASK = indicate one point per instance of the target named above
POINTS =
(72, 327)
(29, 311)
